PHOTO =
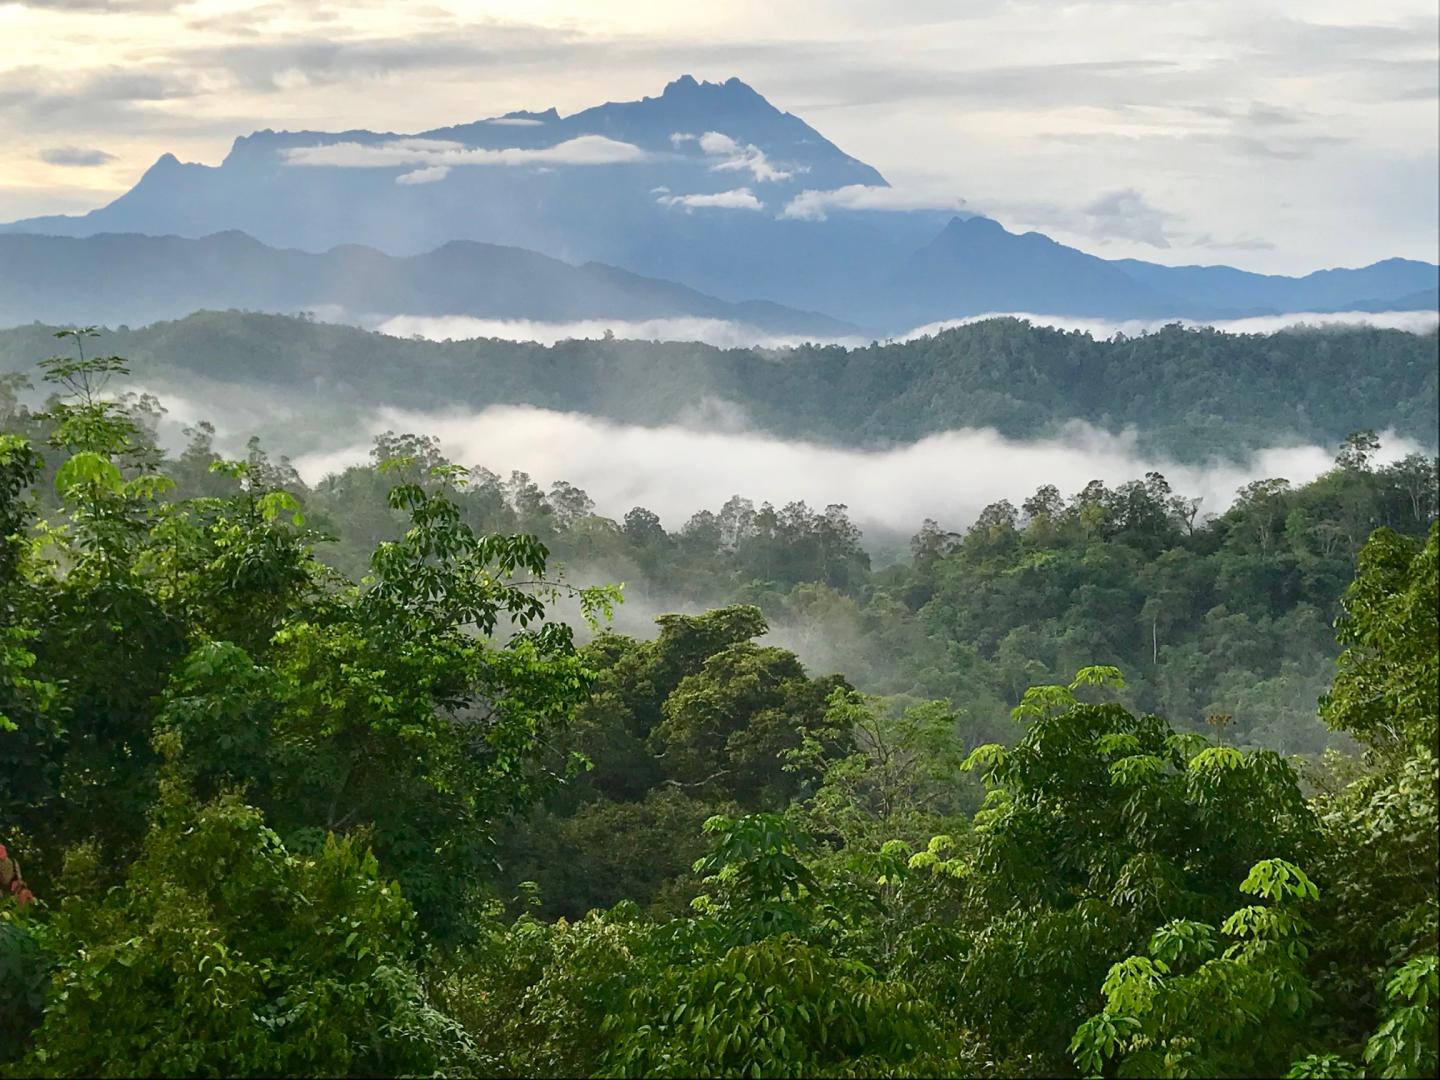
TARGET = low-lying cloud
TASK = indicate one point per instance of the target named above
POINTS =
(811, 205)
(583, 150)
(722, 333)
(676, 470)
(732, 156)
(729, 334)
(428, 175)
(735, 199)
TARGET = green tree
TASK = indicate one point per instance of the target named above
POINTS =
(1185, 1008)
(1387, 689)
(1377, 871)
(745, 993)
(882, 771)
(385, 709)
(1098, 824)
(224, 954)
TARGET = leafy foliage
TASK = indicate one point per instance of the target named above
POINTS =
(1187, 1008)
(1096, 824)
(222, 953)
(232, 767)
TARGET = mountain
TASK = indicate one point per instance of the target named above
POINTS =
(657, 186)
(127, 278)
(708, 185)
(1424, 300)
(1403, 283)
(975, 266)
(690, 186)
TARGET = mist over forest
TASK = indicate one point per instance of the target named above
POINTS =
(635, 590)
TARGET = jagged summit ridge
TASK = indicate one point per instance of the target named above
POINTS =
(688, 85)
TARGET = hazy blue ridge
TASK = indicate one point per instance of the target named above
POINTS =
(128, 278)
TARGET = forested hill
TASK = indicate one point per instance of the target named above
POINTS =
(276, 820)
(1190, 393)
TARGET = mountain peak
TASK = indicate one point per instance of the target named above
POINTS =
(687, 86)
(164, 163)
(679, 86)
(973, 225)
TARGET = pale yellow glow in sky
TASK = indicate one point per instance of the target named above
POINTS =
(1278, 134)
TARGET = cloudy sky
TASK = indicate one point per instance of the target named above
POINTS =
(1278, 135)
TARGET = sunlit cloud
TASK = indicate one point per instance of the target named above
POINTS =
(75, 156)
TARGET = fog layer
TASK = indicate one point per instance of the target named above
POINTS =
(676, 471)
(722, 333)
(727, 334)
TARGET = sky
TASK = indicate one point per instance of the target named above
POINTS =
(1277, 135)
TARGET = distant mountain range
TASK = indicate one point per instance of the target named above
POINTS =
(707, 185)
(127, 278)
(975, 266)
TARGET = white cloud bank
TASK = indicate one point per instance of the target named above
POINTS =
(431, 153)
(721, 333)
(727, 334)
(734, 156)
(811, 205)
(428, 175)
(677, 470)
(735, 199)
